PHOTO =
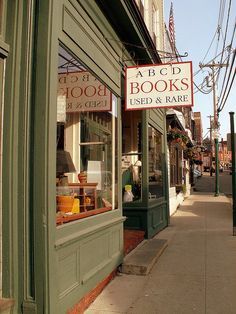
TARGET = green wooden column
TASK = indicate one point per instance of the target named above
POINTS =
(233, 170)
(217, 167)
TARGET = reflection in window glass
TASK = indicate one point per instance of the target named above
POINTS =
(131, 156)
(86, 148)
(155, 163)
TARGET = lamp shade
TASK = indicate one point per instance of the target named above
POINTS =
(64, 162)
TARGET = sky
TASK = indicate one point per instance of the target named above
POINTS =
(196, 24)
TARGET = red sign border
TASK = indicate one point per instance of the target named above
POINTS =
(159, 64)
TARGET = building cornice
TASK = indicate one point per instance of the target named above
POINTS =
(126, 19)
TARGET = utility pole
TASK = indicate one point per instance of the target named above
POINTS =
(212, 66)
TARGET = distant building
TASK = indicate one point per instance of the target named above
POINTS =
(198, 127)
(224, 154)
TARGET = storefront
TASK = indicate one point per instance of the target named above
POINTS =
(144, 171)
(62, 119)
(62, 134)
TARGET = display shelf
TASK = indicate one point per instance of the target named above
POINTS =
(86, 192)
(65, 218)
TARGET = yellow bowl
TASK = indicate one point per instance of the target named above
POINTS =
(65, 203)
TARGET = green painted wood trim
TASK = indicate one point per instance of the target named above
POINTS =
(29, 307)
(10, 173)
(89, 40)
(3, 22)
(71, 238)
(43, 150)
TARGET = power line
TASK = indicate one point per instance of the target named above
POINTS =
(209, 46)
(223, 84)
(222, 101)
(220, 22)
(226, 97)
(201, 90)
(226, 28)
(213, 59)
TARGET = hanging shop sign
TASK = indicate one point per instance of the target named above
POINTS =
(156, 86)
(81, 91)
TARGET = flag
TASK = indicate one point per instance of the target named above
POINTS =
(172, 27)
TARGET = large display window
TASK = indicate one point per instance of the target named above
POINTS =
(86, 142)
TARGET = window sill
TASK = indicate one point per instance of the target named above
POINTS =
(66, 218)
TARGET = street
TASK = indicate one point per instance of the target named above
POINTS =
(207, 183)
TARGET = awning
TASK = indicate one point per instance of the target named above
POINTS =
(174, 119)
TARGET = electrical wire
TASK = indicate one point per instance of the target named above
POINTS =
(226, 97)
(225, 35)
(226, 28)
(229, 52)
(211, 80)
(221, 12)
(200, 90)
(220, 22)
(218, 31)
(206, 134)
(222, 100)
(212, 60)
(210, 46)
(222, 107)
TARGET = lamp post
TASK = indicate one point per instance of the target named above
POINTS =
(233, 170)
(216, 142)
(217, 167)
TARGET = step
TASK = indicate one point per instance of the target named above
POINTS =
(6, 305)
(141, 260)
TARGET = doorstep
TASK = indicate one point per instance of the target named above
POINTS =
(141, 260)
(6, 305)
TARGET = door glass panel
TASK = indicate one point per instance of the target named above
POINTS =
(155, 163)
(131, 156)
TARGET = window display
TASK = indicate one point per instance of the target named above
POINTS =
(155, 163)
(86, 142)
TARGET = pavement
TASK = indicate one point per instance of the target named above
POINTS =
(195, 273)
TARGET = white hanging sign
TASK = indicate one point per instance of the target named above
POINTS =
(159, 86)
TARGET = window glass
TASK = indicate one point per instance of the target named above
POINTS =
(86, 142)
(131, 156)
(155, 163)
(175, 165)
